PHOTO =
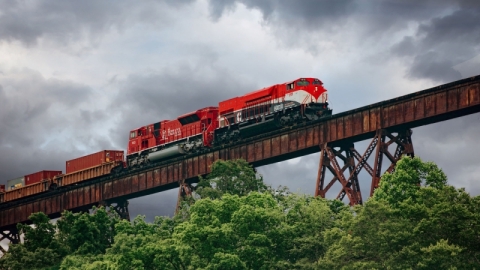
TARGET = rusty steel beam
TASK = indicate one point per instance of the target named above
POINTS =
(382, 120)
(348, 154)
(328, 160)
(11, 235)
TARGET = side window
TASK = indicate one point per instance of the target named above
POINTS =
(132, 134)
(290, 86)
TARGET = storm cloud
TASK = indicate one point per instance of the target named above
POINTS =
(73, 21)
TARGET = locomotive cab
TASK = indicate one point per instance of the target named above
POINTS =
(142, 138)
(309, 95)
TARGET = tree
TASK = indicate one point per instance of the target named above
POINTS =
(137, 245)
(84, 233)
(40, 247)
(220, 232)
(409, 175)
(235, 177)
(46, 244)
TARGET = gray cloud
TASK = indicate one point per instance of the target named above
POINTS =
(305, 24)
(29, 100)
(70, 21)
(447, 32)
(309, 13)
(441, 43)
(158, 204)
(432, 65)
(42, 123)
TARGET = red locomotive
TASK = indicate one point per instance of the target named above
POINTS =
(280, 105)
(272, 107)
(167, 138)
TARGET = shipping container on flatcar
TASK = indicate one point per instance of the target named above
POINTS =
(60, 180)
(39, 176)
(93, 160)
(15, 183)
(88, 173)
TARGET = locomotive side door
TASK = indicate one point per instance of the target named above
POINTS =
(205, 125)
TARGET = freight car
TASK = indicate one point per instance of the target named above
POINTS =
(15, 183)
(87, 167)
(40, 176)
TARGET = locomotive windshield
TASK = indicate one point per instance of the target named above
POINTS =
(302, 83)
(189, 119)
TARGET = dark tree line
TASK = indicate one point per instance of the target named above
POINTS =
(415, 220)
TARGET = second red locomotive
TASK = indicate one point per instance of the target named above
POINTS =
(167, 138)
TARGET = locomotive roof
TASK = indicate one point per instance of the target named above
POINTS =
(197, 111)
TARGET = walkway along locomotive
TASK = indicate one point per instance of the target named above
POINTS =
(270, 108)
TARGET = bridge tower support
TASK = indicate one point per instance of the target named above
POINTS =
(184, 192)
(120, 206)
(332, 155)
(12, 235)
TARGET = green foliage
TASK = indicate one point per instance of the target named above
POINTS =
(249, 232)
(235, 177)
(414, 221)
(406, 181)
(40, 248)
(87, 234)
(46, 244)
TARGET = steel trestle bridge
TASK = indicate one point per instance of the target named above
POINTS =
(387, 124)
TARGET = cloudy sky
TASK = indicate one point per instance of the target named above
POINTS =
(76, 76)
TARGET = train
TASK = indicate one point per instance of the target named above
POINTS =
(234, 119)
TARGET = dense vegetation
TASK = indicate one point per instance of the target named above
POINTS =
(414, 221)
